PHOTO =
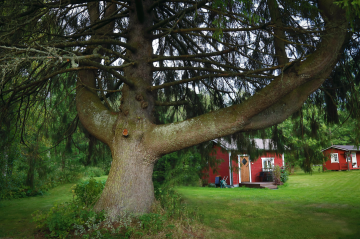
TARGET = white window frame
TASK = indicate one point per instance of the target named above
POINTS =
(353, 159)
(272, 159)
(331, 157)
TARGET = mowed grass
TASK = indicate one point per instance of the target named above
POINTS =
(321, 205)
(15, 215)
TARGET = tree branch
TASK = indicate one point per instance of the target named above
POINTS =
(95, 42)
(279, 34)
(111, 71)
(302, 78)
(95, 117)
(177, 15)
(226, 74)
(172, 103)
(187, 57)
(208, 29)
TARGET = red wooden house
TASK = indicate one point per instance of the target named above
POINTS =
(244, 169)
(337, 155)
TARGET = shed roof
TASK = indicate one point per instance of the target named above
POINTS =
(343, 147)
(265, 144)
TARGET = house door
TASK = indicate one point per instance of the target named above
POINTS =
(244, 162)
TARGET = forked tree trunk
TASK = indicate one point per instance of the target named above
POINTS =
(129, 186)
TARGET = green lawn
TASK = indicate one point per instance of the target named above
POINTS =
(15, 215)
(322, 205)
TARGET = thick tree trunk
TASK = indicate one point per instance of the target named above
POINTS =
(129, 187)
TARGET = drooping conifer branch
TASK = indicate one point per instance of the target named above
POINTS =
(45, 78)
(172, 103)
(226, 74)
(188, 68)
(187, 57)
(177, 15)
(95, 42)
(207, 29)
(111, 71)
(302, 77)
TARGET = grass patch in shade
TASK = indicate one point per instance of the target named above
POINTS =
(15, 215)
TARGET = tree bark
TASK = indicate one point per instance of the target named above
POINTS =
(129, 187)
(279, 35)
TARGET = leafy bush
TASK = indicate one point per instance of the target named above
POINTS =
(152, 222)
(94, 172)
(13, 187)
(88, 192)
(78, 219)
(284, 175)
(76, 216)
(277, 174)
(62, 218)
(178, 168)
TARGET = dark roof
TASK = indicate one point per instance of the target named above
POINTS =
(343, 147)
(260, 144)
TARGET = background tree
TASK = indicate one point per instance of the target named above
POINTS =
(256, 61)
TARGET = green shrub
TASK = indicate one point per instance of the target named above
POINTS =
(62, 218)
(277, 174)
(13, 188)
(284, 175)
(77, 218)
(93, 172)
(88, 192)
(152, 222)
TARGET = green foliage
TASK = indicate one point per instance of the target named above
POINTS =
(93, 172)
(66, 217)
(14, 187)
(307, 132)
(77, 217)
(284, 175)
(277, 174)
(62, 218)
(89, 191)
(352, 8)
(178, 168)
(152, 222)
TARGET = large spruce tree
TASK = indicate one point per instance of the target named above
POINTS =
(253, 62)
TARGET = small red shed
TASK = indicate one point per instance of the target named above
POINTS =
(337, 155)
(244, 169)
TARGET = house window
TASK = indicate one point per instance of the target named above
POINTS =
(354, 161)
(267, 164)
(334, 158)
